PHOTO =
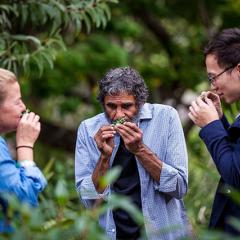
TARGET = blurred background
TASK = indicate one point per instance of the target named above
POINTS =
(60, 49)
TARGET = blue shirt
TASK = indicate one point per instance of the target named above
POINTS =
(23, 182)
(162, 204)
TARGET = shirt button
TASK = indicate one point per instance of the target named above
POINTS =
(228, 191)
(113, 230)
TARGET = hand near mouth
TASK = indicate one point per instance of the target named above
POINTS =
(215, 99)
(119, 121)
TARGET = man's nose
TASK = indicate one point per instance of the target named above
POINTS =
(119, 113)
(213, 86)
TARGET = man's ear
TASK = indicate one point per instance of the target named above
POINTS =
(238, 68)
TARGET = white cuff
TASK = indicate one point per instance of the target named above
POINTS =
(27, 163)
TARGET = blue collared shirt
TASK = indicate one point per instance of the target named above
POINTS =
(162, 204)
(24, 182)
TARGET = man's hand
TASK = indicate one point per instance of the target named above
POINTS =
(131, 135)
(105, 142)
(104, 139)
(203, 112)
(215, 99)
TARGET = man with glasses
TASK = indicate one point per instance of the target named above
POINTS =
(222, 56)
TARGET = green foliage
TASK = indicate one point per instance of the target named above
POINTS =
(203, 180)
(31, 31)
(60, 214)
(163, 40)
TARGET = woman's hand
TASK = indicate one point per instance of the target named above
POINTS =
(28, 129)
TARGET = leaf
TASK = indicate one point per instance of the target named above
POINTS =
(60, 6)
(99, 16)
(87, 22)
(20, 37)
(113, 1)
(117, 201)
(36, 59)
(24, 14)
(110, 177)
(61, 192)
(47, 170)
(107, 11)
(48, 58)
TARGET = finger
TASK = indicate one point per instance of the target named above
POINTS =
(30, 116)
(126, 129)
(203, 94)
(106, 128)
(36, 119)
(39, 126)
(107, 136)
(190, 115)
(24, 116)
(109, 132)
(125, 135)
(200, 102)
(212, 96)
(195, 106)
(192, 111)
(133, 126)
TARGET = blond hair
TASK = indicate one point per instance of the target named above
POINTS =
(6, 77)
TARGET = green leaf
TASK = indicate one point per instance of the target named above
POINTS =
(47, 170)
(106, 9)
(20, 37)
(60, 6)
(36, 59)
(61, 192)
(24, 14)
(48, 58)
(117, 201)
(110, 177)
(87, 22)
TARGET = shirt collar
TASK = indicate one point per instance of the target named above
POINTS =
(145, 112)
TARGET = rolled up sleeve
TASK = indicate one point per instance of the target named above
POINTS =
(25, 183)
(174, 172)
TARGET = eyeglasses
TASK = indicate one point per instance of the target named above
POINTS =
(212, 78)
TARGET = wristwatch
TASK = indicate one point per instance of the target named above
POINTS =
(27, 163)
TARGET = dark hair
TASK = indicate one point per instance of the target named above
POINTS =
(226, 47)
(123, 79)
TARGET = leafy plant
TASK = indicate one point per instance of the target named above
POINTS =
(32, 32)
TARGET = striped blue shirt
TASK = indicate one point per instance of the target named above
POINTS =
(162, 204)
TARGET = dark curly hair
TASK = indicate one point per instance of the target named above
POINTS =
(123, 80)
